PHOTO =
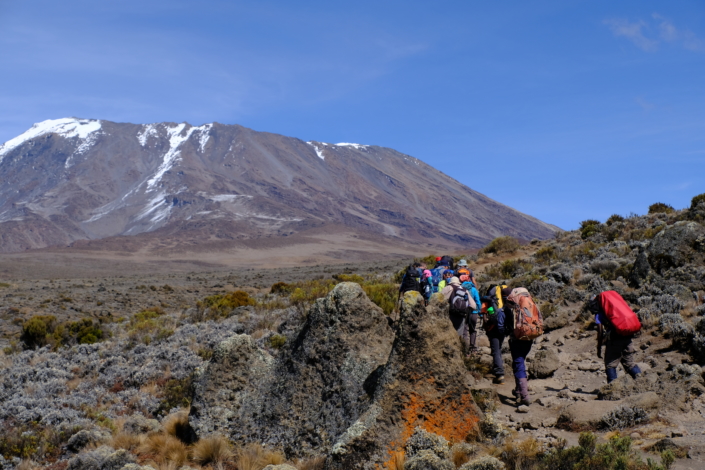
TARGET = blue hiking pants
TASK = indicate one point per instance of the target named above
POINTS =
(519, 349)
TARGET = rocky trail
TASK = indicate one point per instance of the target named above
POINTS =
(315, 367)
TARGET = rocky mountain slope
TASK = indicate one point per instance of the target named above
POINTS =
(75, 179)
(320, 369)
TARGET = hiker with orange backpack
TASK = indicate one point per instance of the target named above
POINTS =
(522, 313)
(616, 326)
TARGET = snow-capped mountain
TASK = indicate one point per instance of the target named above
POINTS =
(78, 179)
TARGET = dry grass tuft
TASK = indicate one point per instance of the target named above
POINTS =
(214, 449)
(28, 465)
(176, 424)
(163, 450)
(127, 441)
(256, 457)
(314, 463)
(459, 457)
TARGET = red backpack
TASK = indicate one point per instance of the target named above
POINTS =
(528, 321)
(623, 318)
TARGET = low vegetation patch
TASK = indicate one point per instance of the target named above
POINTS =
(42, 330)
(501, 245)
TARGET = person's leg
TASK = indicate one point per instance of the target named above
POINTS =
(628, 358)
(613, 355)
(519, 350)
(497, 362)
(461, 327)
(472, 328)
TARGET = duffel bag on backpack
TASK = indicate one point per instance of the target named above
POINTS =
(623, 318)
(528, 321)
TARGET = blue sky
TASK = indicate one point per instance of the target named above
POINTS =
(565, 110)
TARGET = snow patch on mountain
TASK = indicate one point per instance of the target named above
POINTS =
(148, 131)
(172, 155)
(227, 197)
(318, 151)
(205, 131)
(65, 127)
(355, 146)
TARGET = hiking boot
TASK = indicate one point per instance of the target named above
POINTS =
(499, 380)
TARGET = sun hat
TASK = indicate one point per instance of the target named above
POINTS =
(454, 281)
(462, 262)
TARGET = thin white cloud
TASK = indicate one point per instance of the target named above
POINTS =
(648, 35)
(633, 32)
(645, 105)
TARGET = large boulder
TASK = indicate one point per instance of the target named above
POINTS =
(677, 245)
(544, 364)
(424, 384)
(320, 383)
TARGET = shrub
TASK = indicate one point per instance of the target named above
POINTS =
(281, 288)
(277, 341)
(349, 278)
(176, 393)
(506, 269)
(223, 305)
(613, 219)
(660, 207)
(546, 254)
(501, 245)
(589, 228)
(623, 417)
(256, 457)
(34, 331)
(164, 450)
(384, 295)
(697, 200)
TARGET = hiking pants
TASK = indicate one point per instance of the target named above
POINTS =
(519, 349)
(496, 348)
(472, 327)
(460, 323)
(619, 349)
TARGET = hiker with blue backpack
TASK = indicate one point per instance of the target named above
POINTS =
(474, 315)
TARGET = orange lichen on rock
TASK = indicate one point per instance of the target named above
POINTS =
(451, 417)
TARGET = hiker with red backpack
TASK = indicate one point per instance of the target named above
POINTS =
(616, 326)
(524, 318)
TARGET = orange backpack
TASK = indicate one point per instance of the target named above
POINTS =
(528, 321)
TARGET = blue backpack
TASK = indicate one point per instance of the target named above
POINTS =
(437, 277)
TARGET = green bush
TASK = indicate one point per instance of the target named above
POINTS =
(546, 254)
(280, 288)
(660, 207)
(501, 245)
(277, 341)
(589, 228)
(223, 305)
(176, 393)
(35, 330)
(697, 200)
(613, 219)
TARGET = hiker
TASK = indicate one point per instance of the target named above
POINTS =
(494, 325)
(474, 314)
(445, 261)
(412, 279)
(446, 275)
(427, 285)
(616, 326)
(522, 314)
(461, 304)
(464, 270)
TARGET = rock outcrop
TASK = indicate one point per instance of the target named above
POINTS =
(425, 384)
(346, 387)
(318, 385)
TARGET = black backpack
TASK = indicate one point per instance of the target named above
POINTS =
(446, 261)
(459, 301)
(410, 280)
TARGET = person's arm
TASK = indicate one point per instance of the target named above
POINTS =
(599, 340)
